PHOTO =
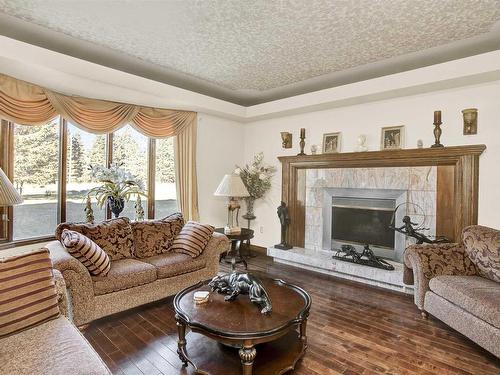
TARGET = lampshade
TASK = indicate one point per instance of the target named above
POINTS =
(8, 193)
(231, 186)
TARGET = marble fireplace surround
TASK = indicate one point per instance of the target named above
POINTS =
(413, 185)
(444, 180)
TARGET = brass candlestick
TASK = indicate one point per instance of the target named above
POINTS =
(437, 129)
(302, 142)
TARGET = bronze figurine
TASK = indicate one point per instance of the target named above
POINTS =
(236, 283)
(409, 230)
(284, 217)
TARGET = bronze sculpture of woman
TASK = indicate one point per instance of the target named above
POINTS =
(284, 217)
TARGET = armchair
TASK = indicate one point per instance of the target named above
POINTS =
(460, 284)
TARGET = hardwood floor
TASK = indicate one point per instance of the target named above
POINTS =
(352, 329)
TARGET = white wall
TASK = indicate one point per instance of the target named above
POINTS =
(415, 112)
(220, 147)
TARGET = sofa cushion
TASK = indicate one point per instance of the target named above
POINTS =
(153, 237)
(193, 239)
(113, 236)
(55, 347)
(475, 294)
(86, 251)
(482, 245)
(124, 274)
(27, 291)
(174, 264)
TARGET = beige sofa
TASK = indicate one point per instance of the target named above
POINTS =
(55, 347)
(460, 284)
(131, 281)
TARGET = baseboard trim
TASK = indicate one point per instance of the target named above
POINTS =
(258, 249)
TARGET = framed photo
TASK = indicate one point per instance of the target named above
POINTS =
(393, 138)
(331, 142)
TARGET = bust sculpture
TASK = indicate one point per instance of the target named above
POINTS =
(284, 217)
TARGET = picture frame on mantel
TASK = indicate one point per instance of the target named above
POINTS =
(332, 142)
(392, 138)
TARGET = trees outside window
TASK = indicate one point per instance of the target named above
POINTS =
(36, 160)
(165, 194)
(52, 193)
(84, 149)
(130, 149)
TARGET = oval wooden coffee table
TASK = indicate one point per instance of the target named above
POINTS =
(234, 337)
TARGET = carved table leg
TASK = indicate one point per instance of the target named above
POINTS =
(181, 343)
(247, 355)
(303, 335)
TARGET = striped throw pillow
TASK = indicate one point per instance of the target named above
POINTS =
(27, 291)
(87, 252)
(192, 239)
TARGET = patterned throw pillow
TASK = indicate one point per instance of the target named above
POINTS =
(113, 236)
(192, 239)
(87, 252)
(482, 245)
(27, 291)
(154, 237)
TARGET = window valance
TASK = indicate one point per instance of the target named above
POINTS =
(27, 104)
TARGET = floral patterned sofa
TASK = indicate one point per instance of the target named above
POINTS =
(460, 284)
(142, 269)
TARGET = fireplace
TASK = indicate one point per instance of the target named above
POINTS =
(363, 216)
(363, 221)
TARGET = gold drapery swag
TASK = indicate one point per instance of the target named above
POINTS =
(27, 104)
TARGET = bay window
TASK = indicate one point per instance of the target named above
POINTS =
(49, 165)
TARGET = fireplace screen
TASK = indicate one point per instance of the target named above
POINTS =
(360, 223)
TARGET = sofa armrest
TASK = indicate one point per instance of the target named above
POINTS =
(77, 278)
(62, 294)
(64, 261)
(430, 260)
(217, 245)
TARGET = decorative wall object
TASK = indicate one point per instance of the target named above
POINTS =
(332, 142)
(286, 140)
(470, 121)
(362, 143)
(302, 142)
(437, 129)
(392, 138)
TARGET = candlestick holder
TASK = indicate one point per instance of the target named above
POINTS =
(302, 144)
(437, 134)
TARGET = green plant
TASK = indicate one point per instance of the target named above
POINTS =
(256, 176)
(117, 183)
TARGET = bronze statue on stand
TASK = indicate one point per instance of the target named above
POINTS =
(284, 217)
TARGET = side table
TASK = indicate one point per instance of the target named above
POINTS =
(236, 240)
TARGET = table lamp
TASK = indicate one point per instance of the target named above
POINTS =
(8, 194)
(232, 187)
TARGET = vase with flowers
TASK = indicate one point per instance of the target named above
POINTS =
(118, 186)
(257, 178)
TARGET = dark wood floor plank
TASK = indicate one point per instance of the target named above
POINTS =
(353, 329)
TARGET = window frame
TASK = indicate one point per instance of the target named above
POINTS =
(7, 164)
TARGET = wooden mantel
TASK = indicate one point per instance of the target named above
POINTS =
(458, 180)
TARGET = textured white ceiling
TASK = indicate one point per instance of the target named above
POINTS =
(262, 45)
